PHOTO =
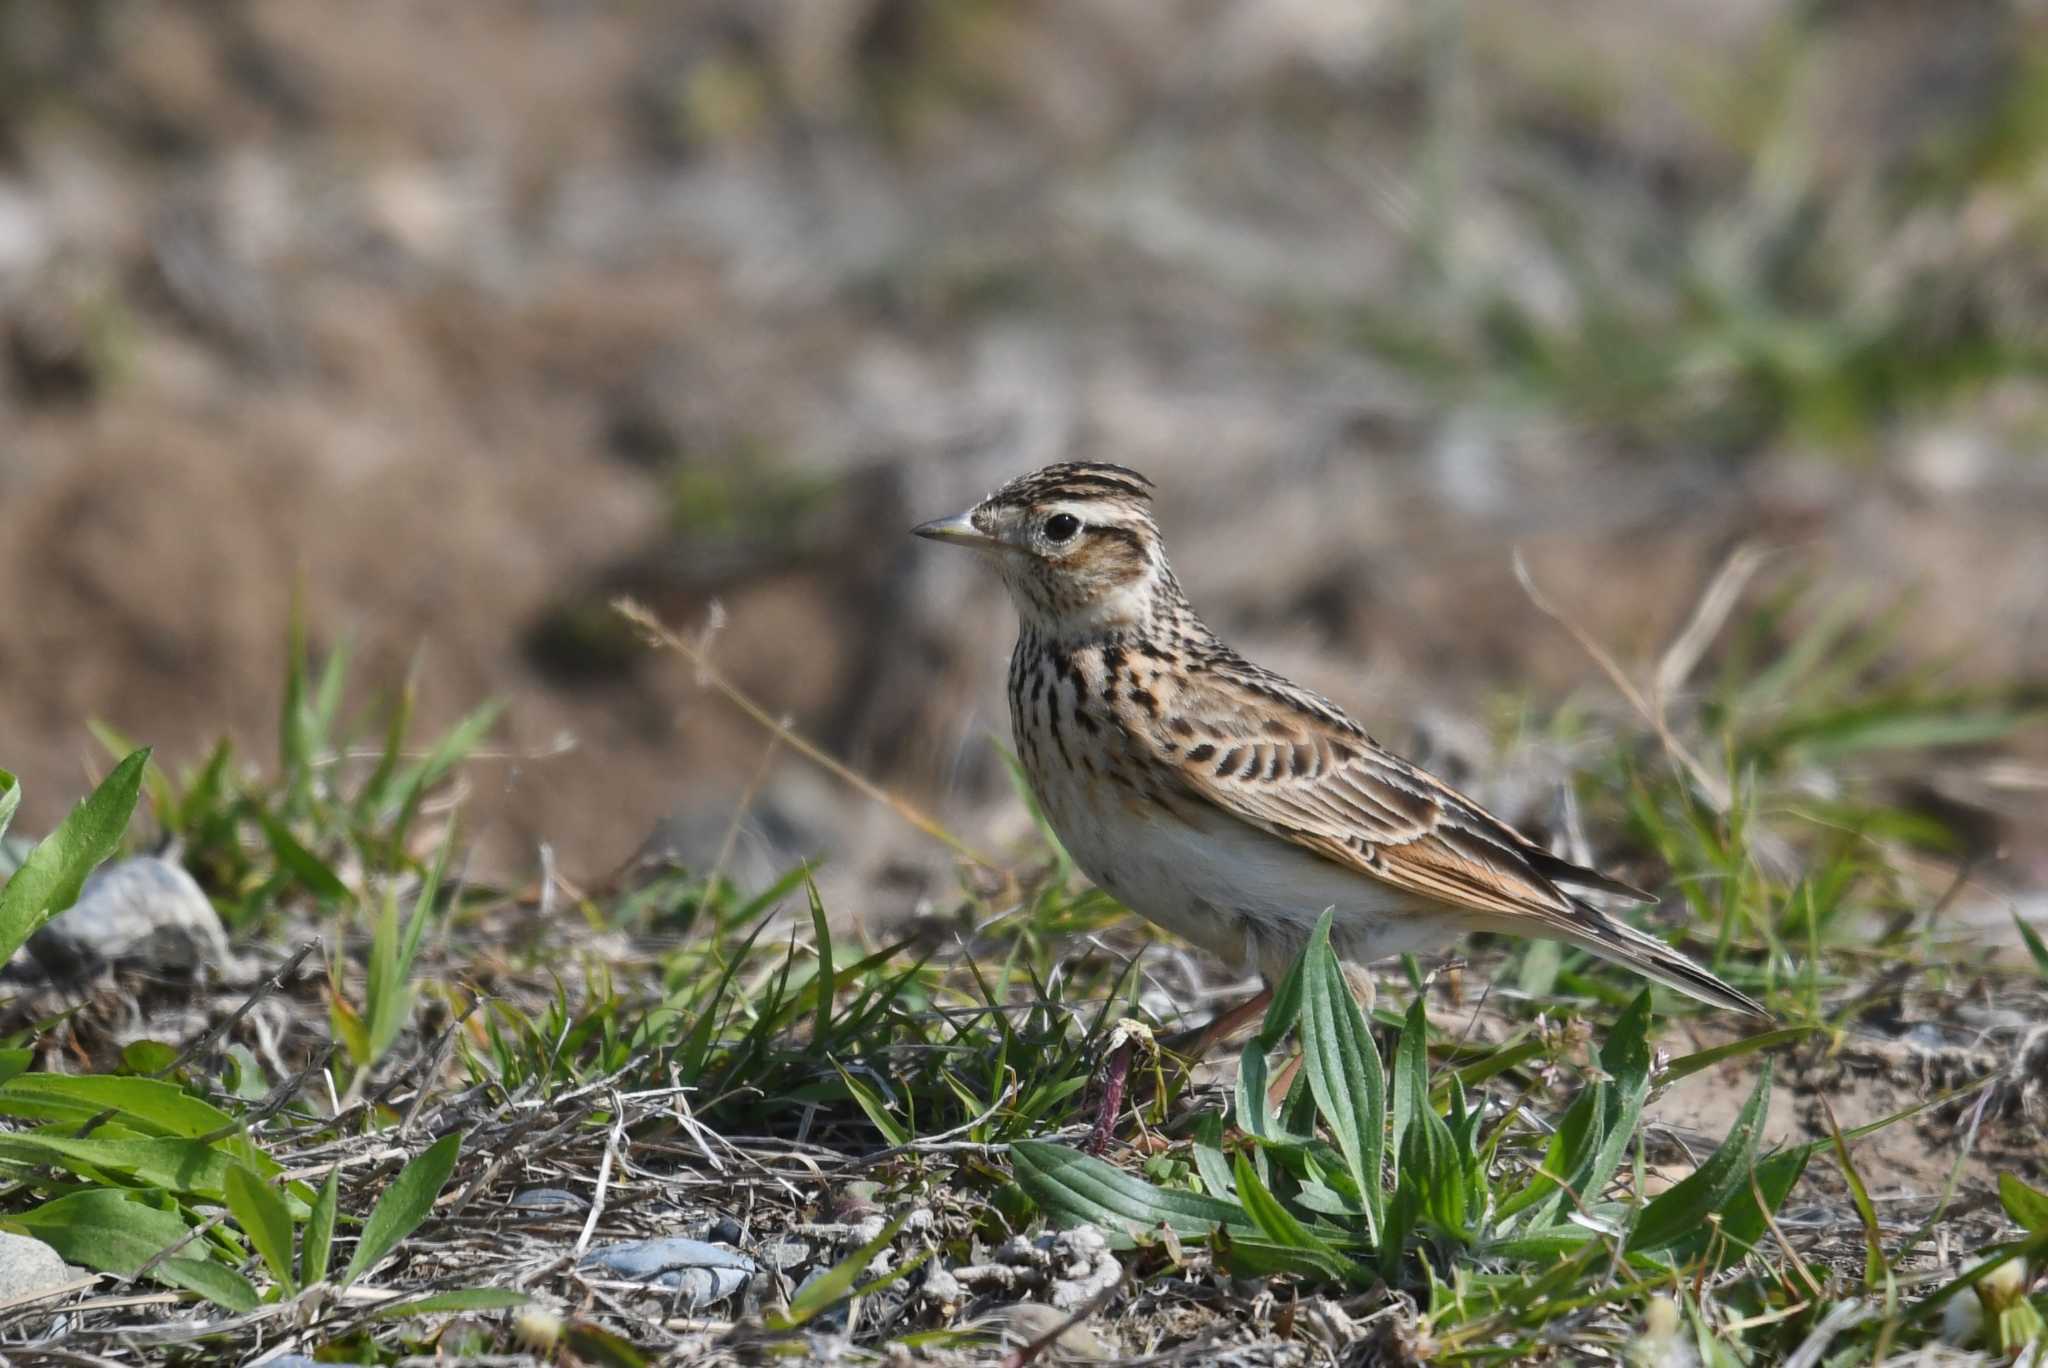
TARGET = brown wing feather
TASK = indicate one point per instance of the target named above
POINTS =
(1290, 763)
(1313, 777)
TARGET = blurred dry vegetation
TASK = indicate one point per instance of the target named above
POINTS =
(458, 320)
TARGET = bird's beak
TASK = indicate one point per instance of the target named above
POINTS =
(958, 529)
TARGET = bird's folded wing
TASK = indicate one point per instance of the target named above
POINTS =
(1294, 768)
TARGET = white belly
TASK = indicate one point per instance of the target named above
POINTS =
(1249, 898)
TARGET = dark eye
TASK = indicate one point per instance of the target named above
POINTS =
(1061, 526)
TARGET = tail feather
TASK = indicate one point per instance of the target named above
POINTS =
(1654, 960)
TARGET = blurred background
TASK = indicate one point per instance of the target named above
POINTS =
(455, 321)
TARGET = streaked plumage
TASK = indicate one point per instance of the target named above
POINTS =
(1224, 802)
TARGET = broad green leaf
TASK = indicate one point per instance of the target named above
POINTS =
(317, 1243)
(1626, 1059)
(1569, 1155)
(405, 1204)
(1209, 1160)
(1683, 1209)
(1072, 1188)
(1743, 1223)
(1252, 1256)
(213, 1281)
(1282, 1228)
(1343, 1068)
(1545, 1244)
(1254, 1113)
(182, 1166)
(2028, 1206)
(10, 798)
(149, 1104)
(162, 799)
(266, 1220)
(464, 1299)
(49, 879)
(152, 1106)
(1284, 1011)
(107, 1229)
(13, 1063)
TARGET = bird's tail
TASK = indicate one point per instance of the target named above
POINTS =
(1592, 929)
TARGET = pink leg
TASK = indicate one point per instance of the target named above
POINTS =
(1198, 1042)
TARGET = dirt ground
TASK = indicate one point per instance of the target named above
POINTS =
(454, 322)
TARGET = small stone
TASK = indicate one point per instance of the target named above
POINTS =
(29, 1267)
(785, 1255)
(701, 1274)
(725, 1230)
(1028, 1322)
(144, 911)
(942, 1287)
(546, 1201)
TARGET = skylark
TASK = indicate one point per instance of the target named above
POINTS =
(1227, 804)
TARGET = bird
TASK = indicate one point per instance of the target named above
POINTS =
(1229, 805)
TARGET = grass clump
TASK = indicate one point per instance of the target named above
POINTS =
(676, 1054)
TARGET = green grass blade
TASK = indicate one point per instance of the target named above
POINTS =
(404, 1204)
(1706, 1059)
(444, 1303)
(821, 1032)
(876, 1111)
(266, 1220)
(10, 798)
(316, 1245)
(310, 870)
(1874, 1263)
(2035, 946)
(49, 879)
(836, 1283)
(1343, 1068)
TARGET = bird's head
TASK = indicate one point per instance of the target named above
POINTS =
(1075, 543)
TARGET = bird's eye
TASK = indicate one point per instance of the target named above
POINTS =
(1061, 526)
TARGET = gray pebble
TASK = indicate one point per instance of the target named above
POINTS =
(546, 1201)
(784, 1255)
(144, 911)
(28, 1267)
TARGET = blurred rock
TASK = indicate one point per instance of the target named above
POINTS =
(701, 1274)
(144, 912)
(28, 1267)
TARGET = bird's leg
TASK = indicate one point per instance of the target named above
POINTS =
(1198, 1042)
